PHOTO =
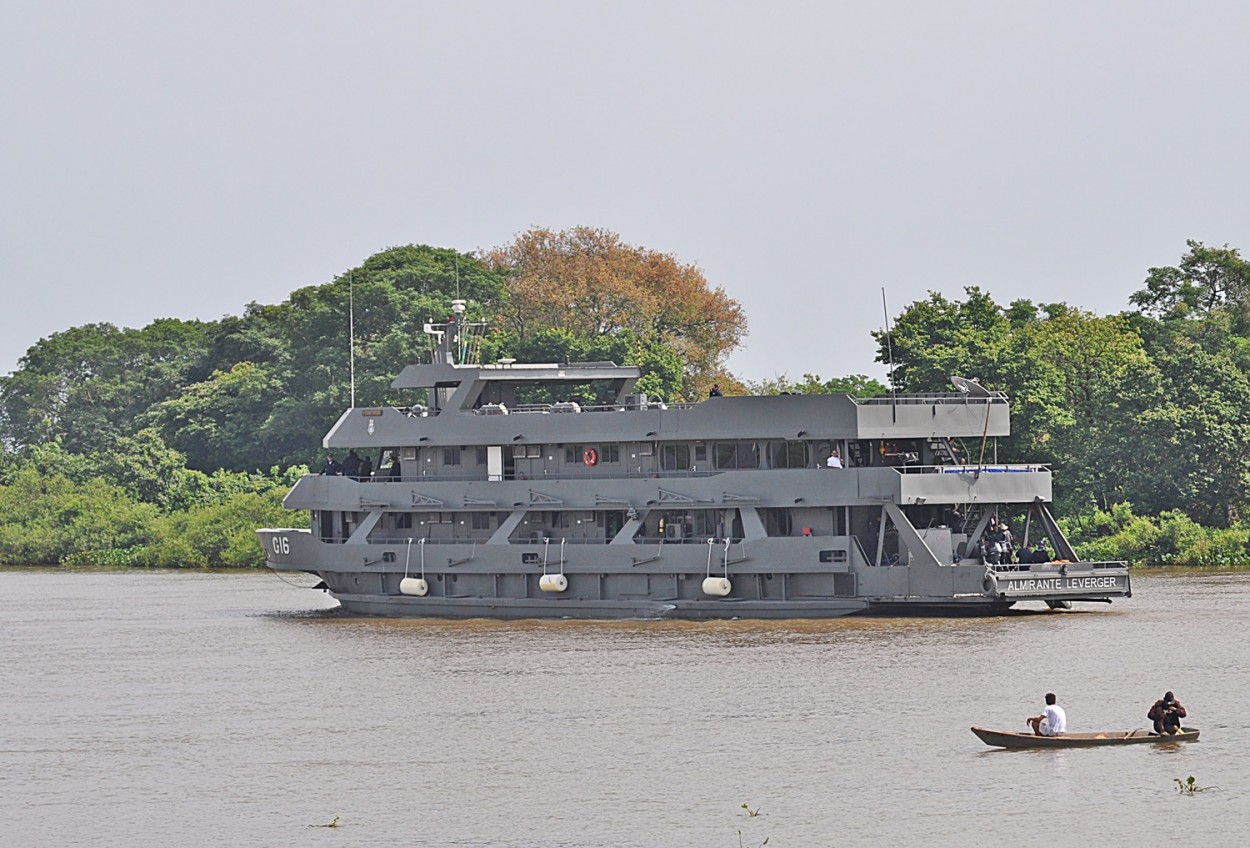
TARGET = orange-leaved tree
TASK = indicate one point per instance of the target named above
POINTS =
(592, 284)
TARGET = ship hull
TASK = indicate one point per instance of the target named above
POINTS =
(399, 606)
(617, 582)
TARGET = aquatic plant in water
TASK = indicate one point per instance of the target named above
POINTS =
(750, 814)
(1190, 786)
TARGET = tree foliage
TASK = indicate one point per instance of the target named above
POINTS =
(937, 338)
(592, 284)
(1206, 279)
(88, 384)
(856, 385)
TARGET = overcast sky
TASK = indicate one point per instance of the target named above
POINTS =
(178, 159)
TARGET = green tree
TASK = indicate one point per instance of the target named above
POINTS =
(212, 423)
(856, 385)
(1064, 375)
(1189, 443)
(935, 339)
(88, 384)
(1206, 278)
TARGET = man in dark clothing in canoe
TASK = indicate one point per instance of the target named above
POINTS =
(1167, 713)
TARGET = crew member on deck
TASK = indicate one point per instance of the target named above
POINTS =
(351, 465)
(332, 466)
(834, 460)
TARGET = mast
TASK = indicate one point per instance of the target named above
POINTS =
(351, 335)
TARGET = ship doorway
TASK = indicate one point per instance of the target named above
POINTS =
(613, 523)
(326, 529)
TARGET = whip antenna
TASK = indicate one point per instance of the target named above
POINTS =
(889, 347)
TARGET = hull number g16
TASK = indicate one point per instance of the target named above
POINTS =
(280, 544)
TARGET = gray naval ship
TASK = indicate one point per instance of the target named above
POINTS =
(556, 491)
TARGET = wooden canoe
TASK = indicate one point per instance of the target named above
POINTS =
(1007, 739)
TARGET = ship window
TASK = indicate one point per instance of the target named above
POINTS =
(787, 454)
(675, 457)
(481, 456)
(730, 455)
(388, 556)
(518, 451)
(700, 452)
(534, 451)
(833, 556)
(646, 449)
(403, 520)
(482, 520)
(610, 453)
(451, 456)
(572, 454)
(777, 522)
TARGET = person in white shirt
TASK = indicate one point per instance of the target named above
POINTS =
(834, 460)
(1052, 722)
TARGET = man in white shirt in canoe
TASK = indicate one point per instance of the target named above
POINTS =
(1052, 722)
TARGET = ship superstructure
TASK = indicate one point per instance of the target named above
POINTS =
(556, 490)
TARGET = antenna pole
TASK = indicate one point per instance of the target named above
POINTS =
(351, 334)
(889, 347)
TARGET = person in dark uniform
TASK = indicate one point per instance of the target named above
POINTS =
(332, 467)
(351, 465)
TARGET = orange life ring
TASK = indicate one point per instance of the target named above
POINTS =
(591, 456)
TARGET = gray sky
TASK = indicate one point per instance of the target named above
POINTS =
(178, 159)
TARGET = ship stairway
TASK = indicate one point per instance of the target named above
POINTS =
(944, 452)
(976, 521)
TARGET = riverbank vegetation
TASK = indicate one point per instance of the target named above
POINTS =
(169, 444)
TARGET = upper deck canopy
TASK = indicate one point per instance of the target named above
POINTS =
(466, 386)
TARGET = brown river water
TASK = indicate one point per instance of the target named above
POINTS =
(172, 709)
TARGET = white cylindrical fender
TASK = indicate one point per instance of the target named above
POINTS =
(553, 583)
(414, 586)
(717, 586)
